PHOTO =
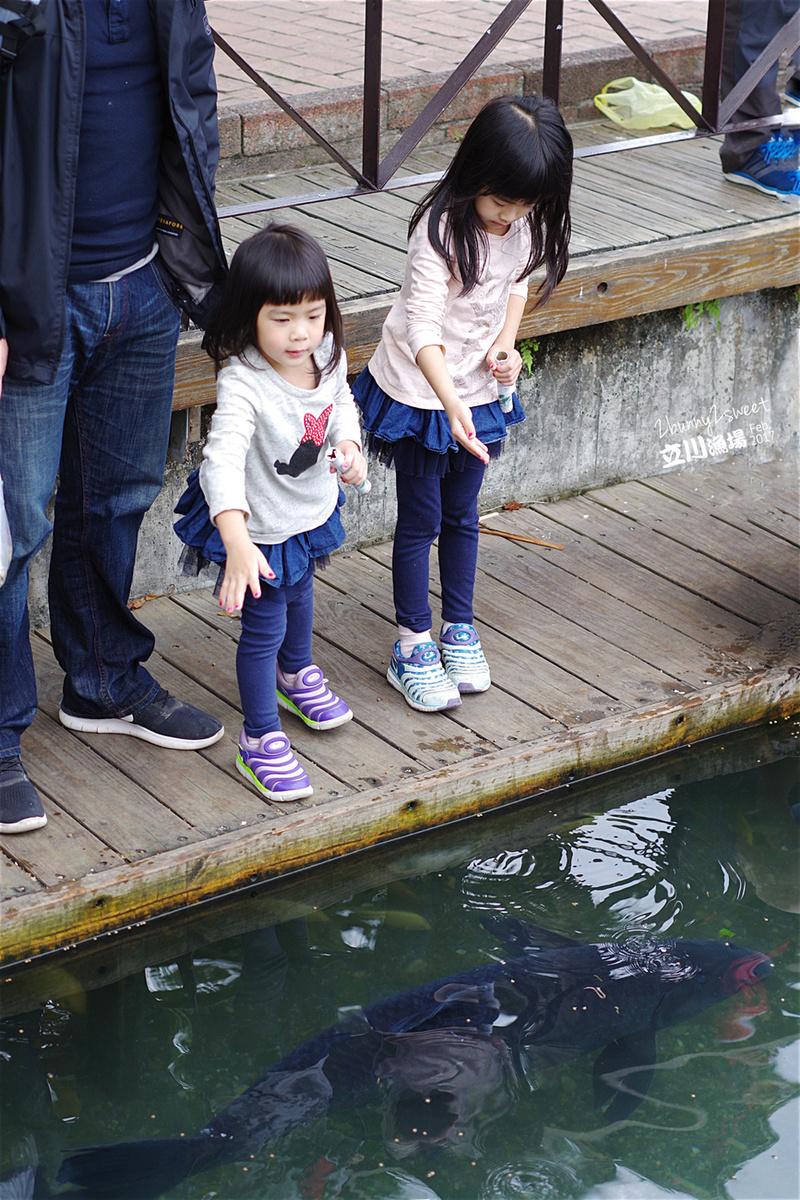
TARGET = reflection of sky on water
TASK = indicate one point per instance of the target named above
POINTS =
(609, 857)
(776, 1172)
(620, 848)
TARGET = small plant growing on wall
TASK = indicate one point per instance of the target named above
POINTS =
(692, 313)
(527, 348)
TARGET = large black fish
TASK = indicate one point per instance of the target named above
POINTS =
(431, 1047)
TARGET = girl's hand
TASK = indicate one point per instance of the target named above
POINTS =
(505, 372)
(244, 565)
(461, 423)
(243, 569)
(357, 469)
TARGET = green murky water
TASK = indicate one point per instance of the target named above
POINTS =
(702, 845)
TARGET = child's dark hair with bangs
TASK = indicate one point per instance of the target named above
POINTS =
(519, 149)
(276, 266)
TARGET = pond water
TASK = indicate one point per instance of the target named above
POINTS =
(486, 1088)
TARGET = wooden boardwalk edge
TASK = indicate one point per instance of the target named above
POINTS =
(598, 287)
(125, 897)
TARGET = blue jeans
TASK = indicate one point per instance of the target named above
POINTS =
(103, 427)
(429, 507)
(275, 628)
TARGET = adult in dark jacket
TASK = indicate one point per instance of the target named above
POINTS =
(108, 148)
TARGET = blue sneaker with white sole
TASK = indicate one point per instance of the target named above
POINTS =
(422, 679)
(773, 168)
(463, 659)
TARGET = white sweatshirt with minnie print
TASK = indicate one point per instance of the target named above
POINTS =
(266, 450)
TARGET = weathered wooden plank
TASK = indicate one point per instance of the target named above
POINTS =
(117, 811)
(182, 877)
(650, 189)
(14, 881)
(608, 287)
(653, 174)
(692, 570)
(756, 553)
(507, 719)
(186, 783)
(349, 753)
(724, 640)
(64, 848)
(774, 483)
(667, 650)
(380, 264)
(703, 490)
(611, 285)
(545, 681)
(433, 741)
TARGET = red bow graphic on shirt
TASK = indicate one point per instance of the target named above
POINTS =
(307, 452)
(315, 426)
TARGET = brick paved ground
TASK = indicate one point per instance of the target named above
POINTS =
(302, 45)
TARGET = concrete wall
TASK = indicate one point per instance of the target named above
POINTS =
(610, 402)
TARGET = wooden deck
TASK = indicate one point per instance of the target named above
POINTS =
(671, 613)
(653, 228)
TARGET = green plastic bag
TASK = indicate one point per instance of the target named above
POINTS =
(637, 105)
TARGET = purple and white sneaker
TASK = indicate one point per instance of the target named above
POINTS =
(312, 700)
(463, 659)
(269, 764)
(422, 679)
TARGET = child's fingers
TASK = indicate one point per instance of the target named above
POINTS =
(470, 441)
(476, 447)
(264, 569)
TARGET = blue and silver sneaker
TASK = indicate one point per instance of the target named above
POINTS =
(422, 679)
(772, 168)
(463, 659)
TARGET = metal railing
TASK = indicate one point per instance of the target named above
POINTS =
(377, 174)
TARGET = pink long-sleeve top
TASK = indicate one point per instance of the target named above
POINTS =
(430, 312)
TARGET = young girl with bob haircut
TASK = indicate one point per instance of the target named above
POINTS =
(265, 500)
(429, 396)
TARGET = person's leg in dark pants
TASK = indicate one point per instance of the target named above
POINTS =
(461, 650)
(458, 539)
(415, 668)
(763, 158)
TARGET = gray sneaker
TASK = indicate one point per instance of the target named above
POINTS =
(20, 807)
(165, 721)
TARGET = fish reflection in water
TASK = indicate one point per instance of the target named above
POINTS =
(446, 1058)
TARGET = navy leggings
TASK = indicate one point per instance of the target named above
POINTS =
(276, 628)
(429, 507)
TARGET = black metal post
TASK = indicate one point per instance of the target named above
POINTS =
(553, 35)
(371, 137)
(712, 72)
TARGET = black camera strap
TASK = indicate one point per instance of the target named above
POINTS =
(20, 20)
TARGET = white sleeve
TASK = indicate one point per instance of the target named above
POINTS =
(430, 278)
(521, 288)
(344, 424)
(222, 474)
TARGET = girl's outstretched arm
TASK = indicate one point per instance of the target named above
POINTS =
(430, 360)
(245, 563)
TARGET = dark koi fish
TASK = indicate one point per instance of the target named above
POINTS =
(439, 1050)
